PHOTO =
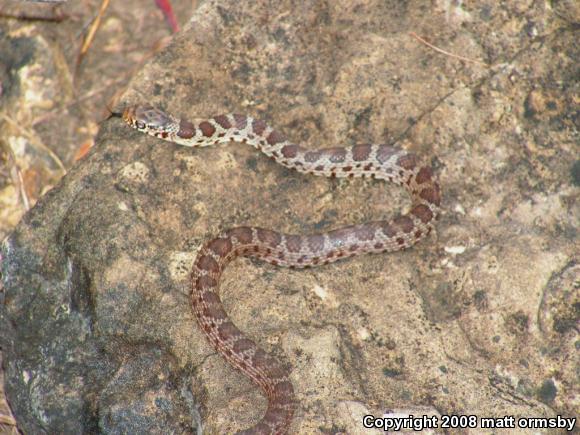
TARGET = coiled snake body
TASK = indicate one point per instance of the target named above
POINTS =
(378, 161)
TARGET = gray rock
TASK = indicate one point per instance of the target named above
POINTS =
(98, 335)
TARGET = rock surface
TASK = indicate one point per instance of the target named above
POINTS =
(479, 319)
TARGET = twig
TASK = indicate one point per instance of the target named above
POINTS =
(414, 35)
(56, 17)
(7, 420)
(91, 35)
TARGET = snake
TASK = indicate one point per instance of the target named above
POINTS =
(379, 161)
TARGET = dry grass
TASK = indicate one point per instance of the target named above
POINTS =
(7, 422)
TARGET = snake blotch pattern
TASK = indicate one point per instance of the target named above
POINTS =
(296, 251)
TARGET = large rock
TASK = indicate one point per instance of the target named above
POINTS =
(98, 334)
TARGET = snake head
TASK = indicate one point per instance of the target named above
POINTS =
(150, 120)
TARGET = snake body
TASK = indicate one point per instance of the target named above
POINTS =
(295, 251)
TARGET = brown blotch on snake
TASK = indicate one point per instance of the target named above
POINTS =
(242, 234)
(208, 264)
(315, 242)
(186, 129)
(223, 121)
(241, 121)
(431, 195)
(365, 233)
(377, 161)
(221, 246)
(258, 126)
(207, 129)
(424, 175)
(289, 151)
(268, 237)
(312, 156)
(293, 243)
(405, 223)
(422, 212)
(336, 154)
(275, 137)
(384, 153)
(361, 152)
(205, 281)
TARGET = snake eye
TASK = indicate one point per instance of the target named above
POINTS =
(140, 125)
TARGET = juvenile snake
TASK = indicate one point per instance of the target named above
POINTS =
(296, 251)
